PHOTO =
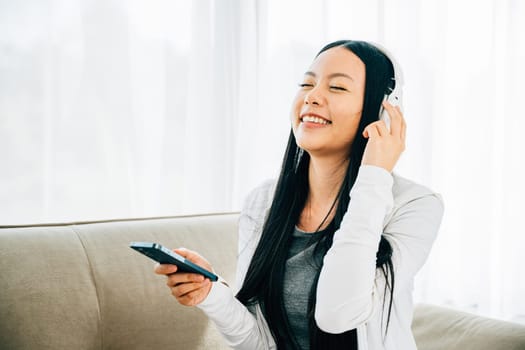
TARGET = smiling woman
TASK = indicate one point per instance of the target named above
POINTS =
(338, 236)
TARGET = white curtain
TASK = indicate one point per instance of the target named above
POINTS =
(115, 109)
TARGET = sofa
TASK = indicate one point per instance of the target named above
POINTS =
(80, 286)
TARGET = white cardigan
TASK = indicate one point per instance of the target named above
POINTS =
(351, 290)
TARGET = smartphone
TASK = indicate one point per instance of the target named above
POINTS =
(163, 255)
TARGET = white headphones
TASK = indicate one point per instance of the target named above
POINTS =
(396, 96)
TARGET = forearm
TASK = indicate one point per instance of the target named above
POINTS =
(234, 321)
(345, 292)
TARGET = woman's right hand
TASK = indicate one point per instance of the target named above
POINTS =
(384, 147)
(190, 289)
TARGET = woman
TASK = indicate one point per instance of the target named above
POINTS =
(328, 254)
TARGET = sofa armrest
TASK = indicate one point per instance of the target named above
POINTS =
(440, 328)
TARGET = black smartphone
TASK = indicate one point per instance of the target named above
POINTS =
(163, 255)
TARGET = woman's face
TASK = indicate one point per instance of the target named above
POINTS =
(327, 108)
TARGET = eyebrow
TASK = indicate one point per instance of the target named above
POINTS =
(333, 75)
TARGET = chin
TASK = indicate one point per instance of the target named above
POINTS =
(309, 148)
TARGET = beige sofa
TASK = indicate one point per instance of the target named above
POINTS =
(79, 286)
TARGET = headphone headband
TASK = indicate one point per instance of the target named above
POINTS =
(396, 96)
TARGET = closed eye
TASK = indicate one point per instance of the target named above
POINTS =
(303, 85)
(340, 88)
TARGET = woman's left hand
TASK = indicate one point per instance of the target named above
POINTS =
(190, 289)
(384, 148)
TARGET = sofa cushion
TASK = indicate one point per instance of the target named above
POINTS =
(440, 328)
(48, 298)
(136, 305)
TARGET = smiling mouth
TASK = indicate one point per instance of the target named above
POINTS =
(315, 120)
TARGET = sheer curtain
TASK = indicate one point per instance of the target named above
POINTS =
(117, 108)
(130, 108)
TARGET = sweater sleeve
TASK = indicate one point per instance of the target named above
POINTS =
(233, 320)
(347, 292)
(242, 328)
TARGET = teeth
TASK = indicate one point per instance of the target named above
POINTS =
(312, 119)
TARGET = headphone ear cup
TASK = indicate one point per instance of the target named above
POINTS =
(393, 100)
(383, 114)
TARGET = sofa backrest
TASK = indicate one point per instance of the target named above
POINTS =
(80, 286)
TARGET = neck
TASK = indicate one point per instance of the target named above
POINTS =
(325, 176)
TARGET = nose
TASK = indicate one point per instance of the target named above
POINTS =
(313, 97)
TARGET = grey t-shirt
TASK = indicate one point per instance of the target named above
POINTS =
(301, 269)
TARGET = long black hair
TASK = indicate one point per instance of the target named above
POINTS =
(263, 283)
